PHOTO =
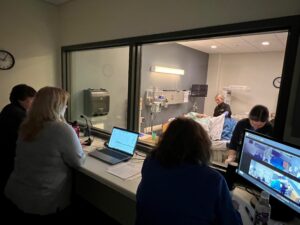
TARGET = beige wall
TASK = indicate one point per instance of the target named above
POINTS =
(254, 70)
(29, 30)
(85, 21)
(34, 30)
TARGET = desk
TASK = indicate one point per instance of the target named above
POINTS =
(112, 195)
(116, 197)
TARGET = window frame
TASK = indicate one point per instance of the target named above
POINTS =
(135, 44)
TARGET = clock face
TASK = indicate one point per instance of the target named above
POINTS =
(276, 82)
(7, 60)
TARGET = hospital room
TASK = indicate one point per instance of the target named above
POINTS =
(182, 78)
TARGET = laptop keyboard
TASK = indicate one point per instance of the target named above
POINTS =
(112, 153)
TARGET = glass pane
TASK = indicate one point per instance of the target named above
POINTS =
(167, 75)
(99, 86)
(242, 68)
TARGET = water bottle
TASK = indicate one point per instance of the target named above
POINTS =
(262, 209)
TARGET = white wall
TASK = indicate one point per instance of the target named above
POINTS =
(255, 70)
(85, 21)
(101, 68)
(29, 30)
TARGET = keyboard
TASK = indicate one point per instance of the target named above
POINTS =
(112, 153)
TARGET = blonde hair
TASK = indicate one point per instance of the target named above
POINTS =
(220, 95)
(48, 105)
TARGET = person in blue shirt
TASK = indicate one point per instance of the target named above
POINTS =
(178, 187)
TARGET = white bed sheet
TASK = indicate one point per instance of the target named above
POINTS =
(219, 151)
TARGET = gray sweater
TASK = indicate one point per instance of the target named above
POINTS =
(41, 180)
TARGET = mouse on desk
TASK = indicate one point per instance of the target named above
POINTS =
(105, 144)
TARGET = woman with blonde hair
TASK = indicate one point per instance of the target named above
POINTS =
(47, 149)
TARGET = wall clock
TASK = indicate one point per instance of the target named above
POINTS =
(276, 82)
(7, 60)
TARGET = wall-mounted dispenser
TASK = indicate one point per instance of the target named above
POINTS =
(96, 102)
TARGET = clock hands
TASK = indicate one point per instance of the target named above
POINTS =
(7, 60)
(3, 59)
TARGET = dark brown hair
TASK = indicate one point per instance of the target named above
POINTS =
(259, 113)
(20, 92)
(184, 141)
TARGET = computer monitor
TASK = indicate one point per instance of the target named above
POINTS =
(273, 166)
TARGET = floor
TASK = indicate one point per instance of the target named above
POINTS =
(80, 211)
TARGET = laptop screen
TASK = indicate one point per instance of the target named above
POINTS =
(123, 140)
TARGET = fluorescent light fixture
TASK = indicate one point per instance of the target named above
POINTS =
(161, 69)
(265, 43)
(213, 46)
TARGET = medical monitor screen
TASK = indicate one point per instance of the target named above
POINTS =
(272, 166)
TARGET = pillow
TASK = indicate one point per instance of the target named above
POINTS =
(216, 127)
(212, 125)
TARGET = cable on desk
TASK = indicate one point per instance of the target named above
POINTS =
(141, 154)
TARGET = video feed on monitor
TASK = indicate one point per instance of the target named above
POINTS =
(273, 167)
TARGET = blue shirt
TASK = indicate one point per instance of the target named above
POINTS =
(184, 195)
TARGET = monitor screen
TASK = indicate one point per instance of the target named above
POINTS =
(272, 166)
(123, 140)
(199, 90)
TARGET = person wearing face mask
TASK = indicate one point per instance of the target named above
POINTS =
(258, 121)
(47, 149)
(11, 116)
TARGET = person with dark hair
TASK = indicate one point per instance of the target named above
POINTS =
(178, 187)
(11, 117)
(258, 121)
(221, 106)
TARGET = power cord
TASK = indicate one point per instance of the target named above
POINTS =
(141, 154)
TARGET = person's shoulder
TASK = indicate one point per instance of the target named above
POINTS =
(268, 128)
(212, 172)
(243, 122)
(58, 126)
(269, 125)
(13, 109)
(209, 174)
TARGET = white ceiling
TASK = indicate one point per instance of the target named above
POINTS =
(240, 44)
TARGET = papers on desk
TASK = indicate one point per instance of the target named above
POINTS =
(127, 170)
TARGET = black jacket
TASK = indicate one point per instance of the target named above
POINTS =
(11, 117)
(221, 108)
(238, 133)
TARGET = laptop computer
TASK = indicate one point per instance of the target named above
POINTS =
(120, 147)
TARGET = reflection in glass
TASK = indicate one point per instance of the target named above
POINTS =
(99, 86)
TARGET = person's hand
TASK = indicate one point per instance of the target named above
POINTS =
(229, 160)
(199, 115)
(231, 156)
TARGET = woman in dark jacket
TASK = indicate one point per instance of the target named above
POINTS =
(178, 187)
